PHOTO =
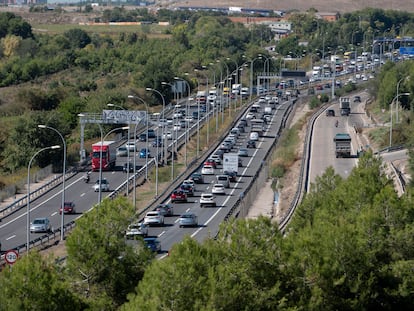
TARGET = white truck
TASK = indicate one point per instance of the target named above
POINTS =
(235, 89)
(244, 92)
(201, 97)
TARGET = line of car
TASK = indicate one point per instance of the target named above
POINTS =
(222, 181)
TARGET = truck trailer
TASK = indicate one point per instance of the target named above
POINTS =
(342, 145)
(344, 106)
(108, 155)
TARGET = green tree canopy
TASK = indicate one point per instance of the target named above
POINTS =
(35, 283)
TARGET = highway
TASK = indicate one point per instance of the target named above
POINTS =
(209, 218)
(13, 228)
(322, 153)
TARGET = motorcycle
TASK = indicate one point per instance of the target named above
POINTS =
(86, 178)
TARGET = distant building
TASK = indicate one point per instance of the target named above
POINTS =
(328, 16)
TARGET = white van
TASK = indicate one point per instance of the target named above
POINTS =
(224, 180)
(267, 110)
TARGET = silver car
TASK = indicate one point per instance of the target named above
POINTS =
(122, 151)
(188, 220)
(136, 230)
(104, 185)
(40, 225)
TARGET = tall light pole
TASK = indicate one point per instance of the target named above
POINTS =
(186, 124)
(402, 94)
(42, 126)
(162, 134)
(266, 69)
(251, 75)
(174, 142)
(28, 193)
(127, 171)
(198, 117)
(398, 87)
(146, 146)
(215, 111)
(100, 153)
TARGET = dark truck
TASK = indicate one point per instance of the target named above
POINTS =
(342, 145)
(344, 106)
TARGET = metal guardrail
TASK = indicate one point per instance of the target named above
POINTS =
(235, 210)
(20, 203)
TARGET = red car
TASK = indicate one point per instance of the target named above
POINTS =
(211, 162)
(68, 208)
(178, 196)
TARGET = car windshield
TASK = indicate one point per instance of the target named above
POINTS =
(186, 216)
(134, 227)
(39, 221)
(97, 154)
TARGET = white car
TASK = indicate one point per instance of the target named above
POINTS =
(136, 230)
(254, 136)
(154, 218)
(250, 115)
(177, 115)
(189, 119)
(104, 185)
(207, 170)
(218, 189)
(167, 135)
(216, 158)
(177, 127)
(131, 146)
(207, 199)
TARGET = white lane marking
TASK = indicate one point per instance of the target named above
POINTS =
(37, 206)
(161, 234)
(82, 194)
(11, 237)
(53, 214)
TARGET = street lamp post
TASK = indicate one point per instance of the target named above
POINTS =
(215, 110)
(146, 146)
(251, 75)
(100, 154)
(63, 176)
(186, 124)
(162, 134)
(163, 115)
(127, 171)
(398, 87)
(28, 193)
(402, 94)
(198, 117)
(174, 142)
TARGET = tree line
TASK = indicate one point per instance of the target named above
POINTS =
(348, 247)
